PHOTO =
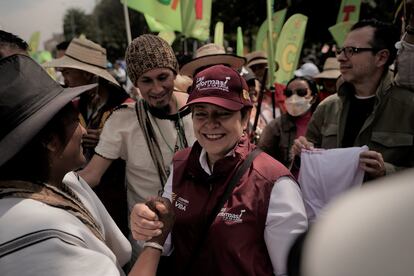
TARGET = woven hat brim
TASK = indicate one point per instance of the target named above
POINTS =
(15, 140)
(235, 62)
(328, 74)
(262, 61)
(68, 62)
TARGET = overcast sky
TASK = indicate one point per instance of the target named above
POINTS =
(24, 17)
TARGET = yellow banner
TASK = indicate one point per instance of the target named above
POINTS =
(289, 47)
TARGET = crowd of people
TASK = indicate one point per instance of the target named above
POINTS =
(203, 170)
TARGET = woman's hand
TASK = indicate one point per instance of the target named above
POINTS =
(153, 220)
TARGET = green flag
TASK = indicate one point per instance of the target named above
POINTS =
(240, 44)
(340, 30)
(289, 47)
(261, 39)
(164, 11)
(168, 36)
(196, 17)
(156, 26)
(34, 42)
(349, 11)
(218, 33)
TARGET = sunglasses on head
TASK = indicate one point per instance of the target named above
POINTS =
(301, 92)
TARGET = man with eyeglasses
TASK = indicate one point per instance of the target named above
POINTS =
(369, 109)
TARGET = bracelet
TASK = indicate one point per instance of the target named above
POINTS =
(409, 29)
(154, 245)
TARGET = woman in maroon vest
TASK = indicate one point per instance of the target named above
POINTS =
(253, 231)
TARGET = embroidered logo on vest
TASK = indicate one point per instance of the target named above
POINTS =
(235, 218)
(181, 203)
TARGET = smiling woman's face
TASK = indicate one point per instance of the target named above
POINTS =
(217, 129)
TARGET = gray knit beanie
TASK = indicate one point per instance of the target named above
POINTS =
(148, 52)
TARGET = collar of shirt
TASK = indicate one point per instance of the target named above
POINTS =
(204, 162)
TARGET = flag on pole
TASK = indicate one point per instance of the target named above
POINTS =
(270, 45)
(340, 30)
(168, 36)
(348, 15)
(190, 17)
(164, 11)
(240, 44)
(218, 33)
(349, 11)
(289, 47)
(34, 42)
(156, 26)
(196, 17)
(261, 38)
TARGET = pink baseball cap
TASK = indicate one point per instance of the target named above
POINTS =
(222, 86)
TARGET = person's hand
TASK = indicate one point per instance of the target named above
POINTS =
(372, 163)
(164, 209)
(145, 223)
(299, 144)
(91, 139)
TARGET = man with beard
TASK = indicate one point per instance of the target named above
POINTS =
(145, 134)
(84, 62)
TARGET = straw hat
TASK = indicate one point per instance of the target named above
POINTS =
(330, 69)
(85, 55)
(211, 54)
(29, 98)
(258, 57)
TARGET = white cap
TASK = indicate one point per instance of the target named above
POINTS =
(308, 69)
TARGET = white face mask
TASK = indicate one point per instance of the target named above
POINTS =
(296, 105)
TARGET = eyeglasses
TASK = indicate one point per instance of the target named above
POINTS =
(301, 92)
(350, 51)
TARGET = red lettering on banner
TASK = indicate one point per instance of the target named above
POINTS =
(174, 4)
(348, 10)
(199, 9)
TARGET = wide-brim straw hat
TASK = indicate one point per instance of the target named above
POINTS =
(211, 54)
(330, 69)
(29, 98)
(85, 55)
(258, 57)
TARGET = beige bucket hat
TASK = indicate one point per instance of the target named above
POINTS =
(211, 54)
(83, 54)
(330, 69)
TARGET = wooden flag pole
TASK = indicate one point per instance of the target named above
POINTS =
(127, 25)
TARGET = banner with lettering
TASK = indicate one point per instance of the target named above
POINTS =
(289, 46)
(349, 11)
(261, 39)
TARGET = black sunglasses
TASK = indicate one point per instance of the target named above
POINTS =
(301, 92)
